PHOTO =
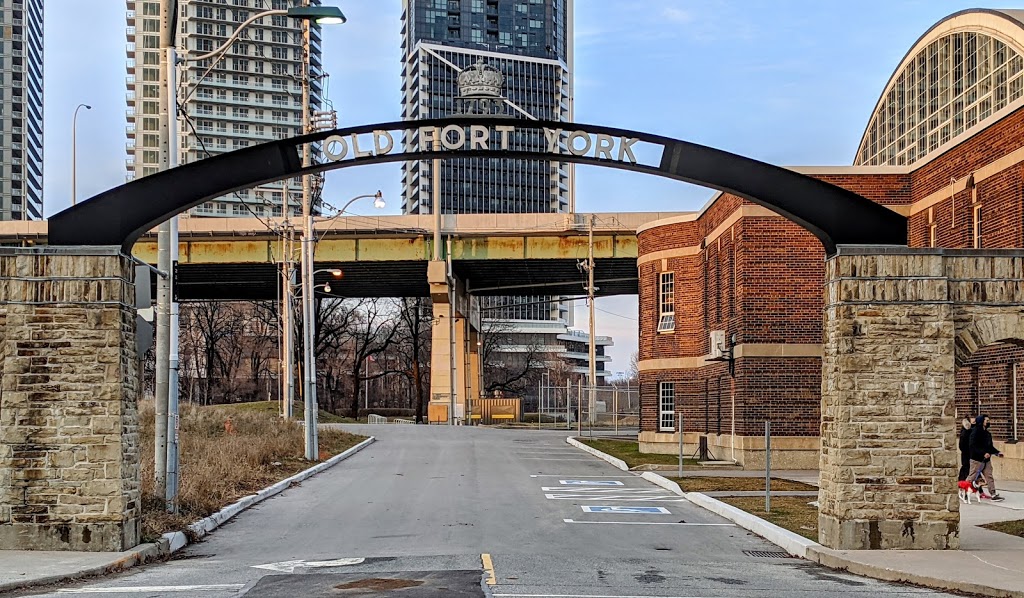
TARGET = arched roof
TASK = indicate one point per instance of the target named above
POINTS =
(957, 76)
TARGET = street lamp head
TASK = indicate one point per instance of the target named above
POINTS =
(378, 201)
(327, 287)
(87, 106)
(337, 273)
(321, 15)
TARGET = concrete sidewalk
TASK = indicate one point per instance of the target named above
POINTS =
(27, 568)
(989, 563)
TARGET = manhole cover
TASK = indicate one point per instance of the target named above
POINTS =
(378, 584)
(399, 584)
(768, 554)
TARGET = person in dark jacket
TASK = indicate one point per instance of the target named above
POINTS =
(982, 451)
(965, 448)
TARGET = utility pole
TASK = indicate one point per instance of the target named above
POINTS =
(287, 317)
(308, 306)
(163, 291)
(592, 403)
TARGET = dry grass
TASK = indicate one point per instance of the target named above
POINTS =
(273, 408)
(788, 512)
(218, 468)
(1014, 528)
(629, 451)
(713, 484)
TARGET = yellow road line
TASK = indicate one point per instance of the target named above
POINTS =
(489, 568)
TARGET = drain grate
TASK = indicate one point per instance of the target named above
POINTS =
(768, 554)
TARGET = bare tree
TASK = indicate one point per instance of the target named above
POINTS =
(414, 340)
(511, 362)
(374, 333)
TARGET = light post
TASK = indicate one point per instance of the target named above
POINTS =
(165, 470)
(74, 152)
(308, 307)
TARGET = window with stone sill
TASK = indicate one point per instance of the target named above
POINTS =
(667, 302)
(666, 407)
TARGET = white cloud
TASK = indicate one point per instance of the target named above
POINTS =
(676, 15)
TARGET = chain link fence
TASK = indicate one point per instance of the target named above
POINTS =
(568, 407)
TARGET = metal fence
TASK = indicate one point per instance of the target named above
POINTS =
(566, 407)
(376, 419)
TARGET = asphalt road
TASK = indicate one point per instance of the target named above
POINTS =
(435, 511)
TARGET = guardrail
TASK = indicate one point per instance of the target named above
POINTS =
(376, 419)
(403, 421)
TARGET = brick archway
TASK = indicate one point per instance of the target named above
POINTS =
(978, 327)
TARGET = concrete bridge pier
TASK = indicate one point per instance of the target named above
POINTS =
(69, 443)
(455, 332)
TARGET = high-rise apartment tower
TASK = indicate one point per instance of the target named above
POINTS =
(21, 109)
(251, 96)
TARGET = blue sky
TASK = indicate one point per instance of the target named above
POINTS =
(790, 82)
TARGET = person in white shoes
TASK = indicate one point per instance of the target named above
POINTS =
(982, 451)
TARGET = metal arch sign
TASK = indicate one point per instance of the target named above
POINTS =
(558, 142)
(836, 216)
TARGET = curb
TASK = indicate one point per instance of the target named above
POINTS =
(593, 451)
(800, 546)
(172, 542)
(827, 558)
(792, 543)
(142, 554)
(667, 484)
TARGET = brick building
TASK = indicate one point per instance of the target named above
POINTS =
(944, 147)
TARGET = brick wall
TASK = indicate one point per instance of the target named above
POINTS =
(984, 384)
(761, 279)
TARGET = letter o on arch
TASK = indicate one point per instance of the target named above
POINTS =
(460, 136)
(335, 148)
(572, 143)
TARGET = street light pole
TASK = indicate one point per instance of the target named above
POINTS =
(592, 402)
(74, 152)
(308, 305)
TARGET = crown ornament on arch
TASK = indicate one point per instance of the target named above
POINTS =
(481, 79)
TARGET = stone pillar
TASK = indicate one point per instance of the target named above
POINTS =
(888, 440)
(69, 464)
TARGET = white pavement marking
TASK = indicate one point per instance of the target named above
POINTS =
(625, 509)
(590, 482)
(666, 498)
(610, 494)
(291, 566)
(223, 587)
(651, 523)
(562, 475)
(552, 459)
(583, 596)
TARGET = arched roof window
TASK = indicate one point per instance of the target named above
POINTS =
(959, 74)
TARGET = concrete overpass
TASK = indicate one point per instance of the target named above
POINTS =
(387, 256)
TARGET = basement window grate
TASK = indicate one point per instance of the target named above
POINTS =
(768, 554)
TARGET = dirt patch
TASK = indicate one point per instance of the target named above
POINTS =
(740, 484)
(788, 512)
(378, 585)
(1014, 528)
